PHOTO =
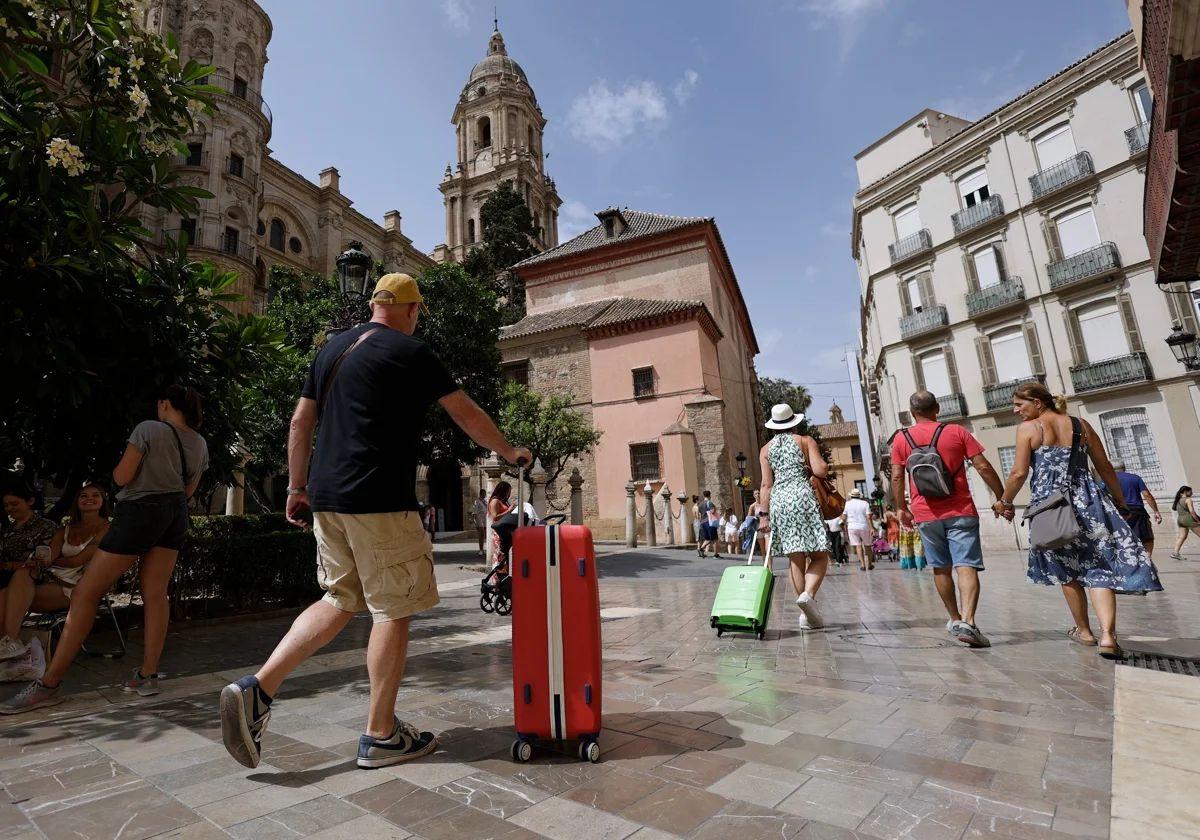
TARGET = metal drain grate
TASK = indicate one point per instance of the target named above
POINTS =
(1170, 664)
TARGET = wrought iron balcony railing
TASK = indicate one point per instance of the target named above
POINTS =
(1109, 372)
(969, 218)
(1062, 174)
(918, 323)
(239, 90)
(1138, 138)
(910, 245)
(199, 161)
(952, 406)
(236, 247)
(239, 169)
(1008, 291)
(1000, 395)
(1094, 262)
(183, 236)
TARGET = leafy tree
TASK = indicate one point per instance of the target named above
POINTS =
(508, 237)
(92, 325)
(462, 326)
(772, 392)
(554, 433)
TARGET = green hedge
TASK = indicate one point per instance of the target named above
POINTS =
(244, 563)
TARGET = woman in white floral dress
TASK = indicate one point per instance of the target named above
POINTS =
(789, 509)
(1106, 557)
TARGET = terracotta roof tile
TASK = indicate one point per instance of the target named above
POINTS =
(838, 430)
(640, 224)
(635, 309)
(601, 313)
(556, 319)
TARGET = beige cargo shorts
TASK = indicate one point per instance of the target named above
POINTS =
(382, 562)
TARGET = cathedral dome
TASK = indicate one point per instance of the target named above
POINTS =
(497, 62)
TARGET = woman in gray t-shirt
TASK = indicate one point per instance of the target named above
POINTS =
(158, 473)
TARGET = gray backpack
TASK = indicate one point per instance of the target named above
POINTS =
(1052, 521)
(930, 475)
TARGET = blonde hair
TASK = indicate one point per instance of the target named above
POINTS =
(1037, 392)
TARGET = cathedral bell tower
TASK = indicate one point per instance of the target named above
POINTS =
(498, 126)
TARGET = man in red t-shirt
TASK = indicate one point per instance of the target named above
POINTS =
(949, 526)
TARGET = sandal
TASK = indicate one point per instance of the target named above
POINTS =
(1115, 652)
(1073, 635)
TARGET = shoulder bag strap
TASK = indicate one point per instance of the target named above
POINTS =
(1077, 452)
(337, 365)
(182, 457)
(912, 444)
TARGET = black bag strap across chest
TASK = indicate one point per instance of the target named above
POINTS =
(337, 365)
(183, 474)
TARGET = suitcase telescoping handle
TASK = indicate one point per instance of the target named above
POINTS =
(750, 556)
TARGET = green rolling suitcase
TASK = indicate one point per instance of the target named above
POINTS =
(744, 598)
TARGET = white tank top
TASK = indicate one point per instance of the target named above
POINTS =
(71, 574)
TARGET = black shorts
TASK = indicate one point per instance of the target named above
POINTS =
(139, 525)
(1139, 522)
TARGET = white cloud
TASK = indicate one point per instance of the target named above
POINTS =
(457, 14)
(604, 118)
(573, 219)
(769, 339)
(848, 17)
(685, 88)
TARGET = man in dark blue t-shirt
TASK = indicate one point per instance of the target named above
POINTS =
(370, 388)
(1137, 496)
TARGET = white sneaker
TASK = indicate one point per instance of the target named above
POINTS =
(808, 607)
(11, 648)
(25, 668)
(804, 625)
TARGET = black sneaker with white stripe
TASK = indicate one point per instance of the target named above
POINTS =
(245, 710)
(404, 744)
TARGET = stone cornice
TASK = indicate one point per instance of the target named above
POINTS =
(666, 319)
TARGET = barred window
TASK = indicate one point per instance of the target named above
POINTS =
(516, 372)
(643, 458)
(643, 382)
(1128, 437)
(1008, 455)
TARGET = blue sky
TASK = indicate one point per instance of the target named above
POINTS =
(749, 111)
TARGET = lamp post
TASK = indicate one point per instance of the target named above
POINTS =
(741, 465)
(354, 275)
(1183, 344)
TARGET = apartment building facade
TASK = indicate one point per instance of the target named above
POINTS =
(1009, 249)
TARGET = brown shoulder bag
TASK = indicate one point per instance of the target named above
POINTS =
(829, 500)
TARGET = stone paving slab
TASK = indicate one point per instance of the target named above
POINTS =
(876, 727)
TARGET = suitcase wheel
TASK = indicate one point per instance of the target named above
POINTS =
(762, 634)
(522, 751)
(720, 630)
(589, 751)
(712, 622)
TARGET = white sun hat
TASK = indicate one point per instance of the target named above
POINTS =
(782, 417)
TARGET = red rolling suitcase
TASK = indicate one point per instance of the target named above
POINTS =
(555, 638)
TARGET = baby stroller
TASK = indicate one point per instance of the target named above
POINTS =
(883, 549)
(495, 590)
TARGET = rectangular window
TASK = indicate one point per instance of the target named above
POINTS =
(1142, 103)
(643, 460)
(907, 221)
(914, 293)
(1102, 330)
(986, 267)
(1008, 456)
(861, 485)
(643, 382)
(974, 188)
(187, 230)
(195, 154)
(1077, 231)
(229, 243)
(1129, 438)
(855, 453)
(936, 373)
(240, 88)
(237, 165)
(1054, 146)
(516, 372)
(1011, 355)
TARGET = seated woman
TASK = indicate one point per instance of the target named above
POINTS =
(46, 587)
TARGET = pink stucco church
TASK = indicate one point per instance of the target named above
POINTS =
(640, 319)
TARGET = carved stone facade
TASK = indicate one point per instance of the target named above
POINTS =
(261, 212)
(498, 127)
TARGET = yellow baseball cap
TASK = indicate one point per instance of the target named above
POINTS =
(396, 288)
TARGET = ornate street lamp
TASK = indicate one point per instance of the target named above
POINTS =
(1183, 344)
(354, 278)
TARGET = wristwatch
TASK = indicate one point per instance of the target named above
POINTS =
(296, 491)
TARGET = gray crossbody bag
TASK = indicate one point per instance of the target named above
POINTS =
(1052, 521)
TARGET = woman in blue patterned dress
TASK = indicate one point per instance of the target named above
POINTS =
(1106, 557)
(789, 509)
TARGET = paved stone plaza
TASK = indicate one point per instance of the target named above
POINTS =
(877, 727)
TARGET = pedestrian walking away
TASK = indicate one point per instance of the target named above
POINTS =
(934, 457)
(1185, 517)
(837, 545)
(479, 517)
(1105, 556)
(160, 470)
(858, 529)
(1137, 497)
(706, 513)
(366, 395)
(790, 510)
